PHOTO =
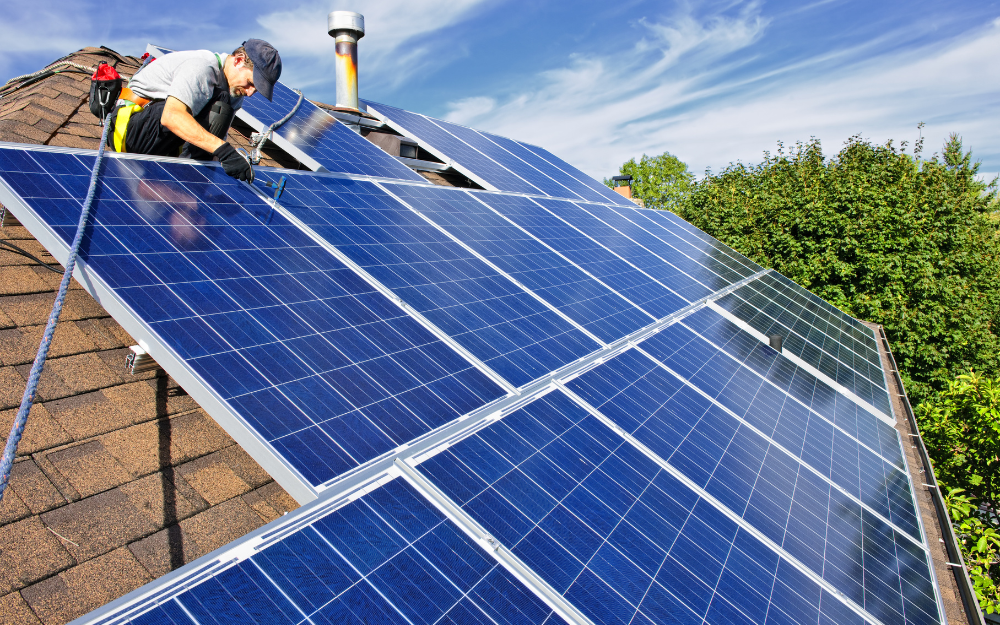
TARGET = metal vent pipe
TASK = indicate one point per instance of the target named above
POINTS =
(346, 27)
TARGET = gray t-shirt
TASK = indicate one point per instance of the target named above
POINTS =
(190, 76)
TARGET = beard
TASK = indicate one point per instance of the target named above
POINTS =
(237, 92)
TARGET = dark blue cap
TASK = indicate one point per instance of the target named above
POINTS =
(266, 65)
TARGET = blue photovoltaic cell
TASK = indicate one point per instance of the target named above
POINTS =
(838, 354)
(610, 196)
(327, 370)
(873, 564)
(669, 227)
(831, 452)
(423, 129)
(497, 321)
(386, 557)
(319, 135)
(620, 538)
(794, 380)
(630, 282)
(559, 282)
(675, 267)
(569, 182)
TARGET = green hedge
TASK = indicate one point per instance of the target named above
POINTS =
(883, 235)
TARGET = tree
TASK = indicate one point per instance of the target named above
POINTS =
(661, 182)
(882, 235)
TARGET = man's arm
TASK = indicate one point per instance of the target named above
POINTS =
(177, 119)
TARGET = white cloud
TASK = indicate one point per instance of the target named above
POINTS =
(397, 42)
(665, 94)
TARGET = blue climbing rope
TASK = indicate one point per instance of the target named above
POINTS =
(17, 430)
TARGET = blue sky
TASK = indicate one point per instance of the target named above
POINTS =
(601, 82)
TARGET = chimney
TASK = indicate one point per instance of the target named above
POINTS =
(623, 184)
(346, 27)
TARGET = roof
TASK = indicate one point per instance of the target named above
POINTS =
(122, 478)
(119, 478)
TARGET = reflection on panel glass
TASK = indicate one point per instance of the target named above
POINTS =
(320, 136)
(328, 371)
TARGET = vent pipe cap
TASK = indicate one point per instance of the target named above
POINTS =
(345, 20)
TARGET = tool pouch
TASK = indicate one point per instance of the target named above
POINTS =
(105, 87)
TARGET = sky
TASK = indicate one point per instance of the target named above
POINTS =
(601, 82)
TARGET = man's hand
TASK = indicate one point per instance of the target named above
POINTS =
(177, 119)
(234, 163)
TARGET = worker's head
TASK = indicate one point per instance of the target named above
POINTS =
(255, 67)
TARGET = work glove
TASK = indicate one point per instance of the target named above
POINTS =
(233, 162)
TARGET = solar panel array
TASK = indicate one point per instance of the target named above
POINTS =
(503, 408)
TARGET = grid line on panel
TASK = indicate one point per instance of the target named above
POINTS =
(493, 266)
(542, 386)
(798, 381)
(501, 176)
(506, 327)
(450, 149)
(783, 449)
(610, 197)
(382, 553)
(761, 308)
(881, 484)
(561, 284)
(504, 158)
(631, 223)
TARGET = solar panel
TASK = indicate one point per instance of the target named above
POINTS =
(491, 316)
(843, 354)
(317, 139)
(593, 305)
(626, 538)
(581, 189)
(876, 433)
(633, 283)
(449, 148)
(670, 227)
(447, 371)
(610, 197)
(324, 371)
(386, 556)
(495, 162)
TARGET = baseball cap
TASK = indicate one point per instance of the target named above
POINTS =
(266, 65)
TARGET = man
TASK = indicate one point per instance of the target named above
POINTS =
(186, 101)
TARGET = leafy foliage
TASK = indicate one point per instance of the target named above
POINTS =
(961, 428)
(980, 541)
(662, 182)
(879, 233)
